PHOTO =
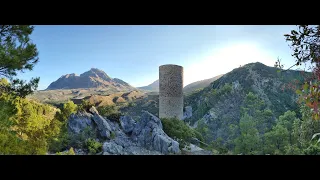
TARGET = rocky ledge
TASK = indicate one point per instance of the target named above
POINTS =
(127, 137)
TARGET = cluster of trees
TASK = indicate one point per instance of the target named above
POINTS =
(286, 135)
(258, 133)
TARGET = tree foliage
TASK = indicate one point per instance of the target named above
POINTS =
(25, 125)
(180, 131)
(305, 44)
(17, 54)
(249, 140)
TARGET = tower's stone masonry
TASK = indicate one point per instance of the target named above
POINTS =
(171, 91)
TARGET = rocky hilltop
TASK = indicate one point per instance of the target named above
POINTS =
(94, 78)
(127, 137)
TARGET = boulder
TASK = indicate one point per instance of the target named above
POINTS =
(127, 124)
(81, 120)
(148, 133)
(78, 122)
(112, 148)
(102, 125)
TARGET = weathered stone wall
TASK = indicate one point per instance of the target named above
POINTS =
(171, 91)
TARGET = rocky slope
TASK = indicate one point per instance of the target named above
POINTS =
(144, 137)
(94, 78)
(218, 105)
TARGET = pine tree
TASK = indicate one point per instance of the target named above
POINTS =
(17, 54)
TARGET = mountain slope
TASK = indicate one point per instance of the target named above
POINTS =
(151, 87)
(200, 84)
(94, 78)
(154, 87)
(218, 106)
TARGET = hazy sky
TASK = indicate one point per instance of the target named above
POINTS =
(134, 53)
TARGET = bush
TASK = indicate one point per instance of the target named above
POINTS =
(180, 131)
(85, 106)
(78, 140)
(93, 146)
(110, 112)
(107, 110)
(115, 117)
(70, 152)
(313, 149)
(112, 135)
(131, 104)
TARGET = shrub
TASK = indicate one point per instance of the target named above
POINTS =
(131, 104)
(180, 131)
(78, 140)
(115, 117)
(107, 110)
(70, 152)
(93, 146)
(85, 106)
(112, 135)
(110, 112)
(313, 149)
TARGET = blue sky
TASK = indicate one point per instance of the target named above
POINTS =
(134, 53)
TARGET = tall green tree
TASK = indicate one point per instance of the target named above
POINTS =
(17, 54)
(287, 120)
(249, 141)
(276, 140)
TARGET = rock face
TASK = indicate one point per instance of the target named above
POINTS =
(187, 112)
(195, 150)
(148, 133)
(80, 121)
(94, 78)
(102, 125)
(127, 124)
(145, 137)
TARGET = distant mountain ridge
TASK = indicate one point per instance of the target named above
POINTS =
(200, 84)
(154, 87)
(94, 78)
(151, 87)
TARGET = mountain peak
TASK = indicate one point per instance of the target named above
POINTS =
(94, 78)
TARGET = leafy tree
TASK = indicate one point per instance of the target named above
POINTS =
(305, 43)
(313, 149)
(67, 109)
(252, 104)
(17, 54)
(249, 141)
(61, 141)
(25, 125)
(276, 140)
(93, 146)
(287, 120)
(256, 108)
(180, 131)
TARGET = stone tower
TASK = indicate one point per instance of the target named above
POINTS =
(170, 91)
